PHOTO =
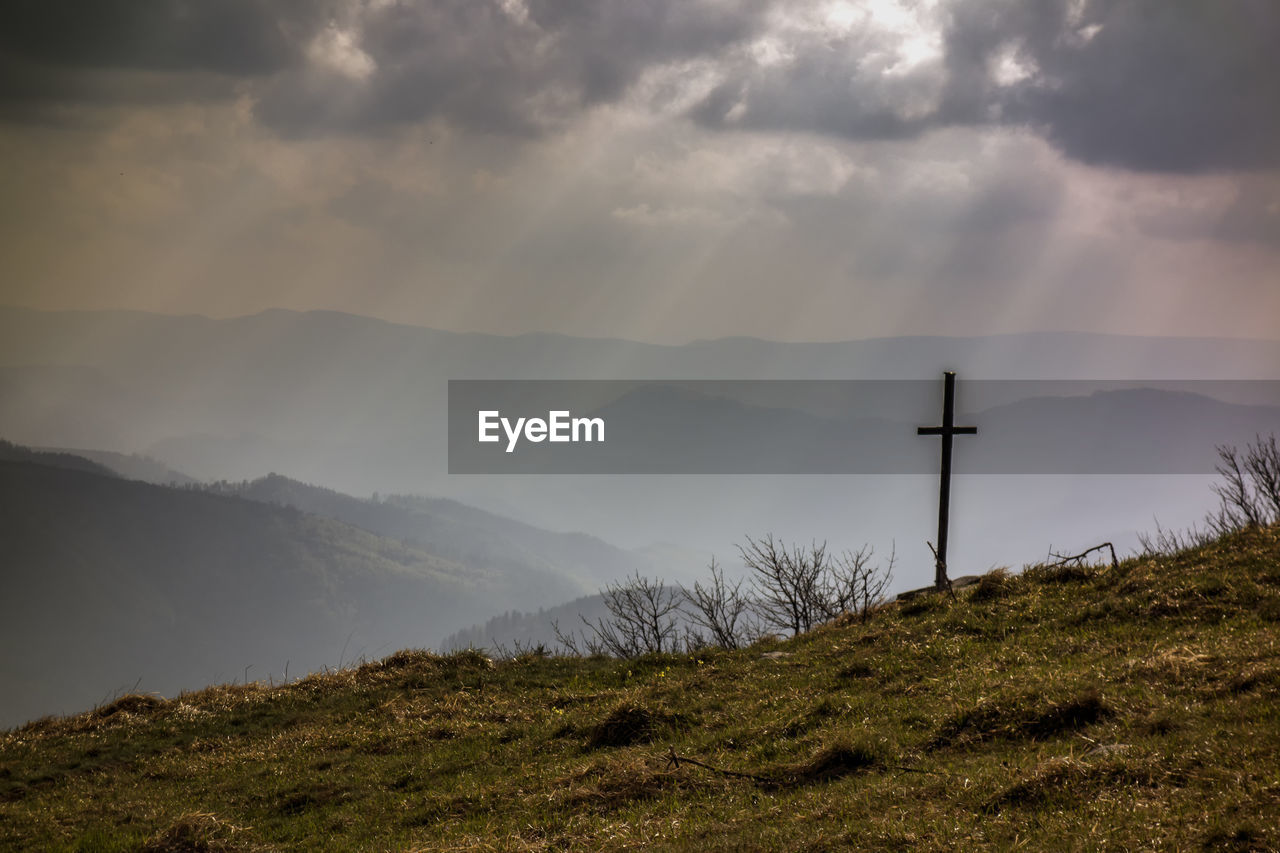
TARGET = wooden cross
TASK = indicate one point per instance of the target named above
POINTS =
(947, 430)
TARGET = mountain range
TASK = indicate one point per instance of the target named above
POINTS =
(358, 404)
(114, 583)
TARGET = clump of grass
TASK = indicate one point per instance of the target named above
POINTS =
(833, 761)
(995, 584)
(405, 659)
(812, 717)
(1020, 717)
(925, 602)
(434, 808)
(1160, 722)
(1066, 778)
(309, 797)
(1176, 666)
(197, 832)
(619, 782)
(1233, 837)
(1053, 573)
(1258, 678)
(410, 669)
(627, 724)
(133, 703)
(1269, 608)
(855, 671)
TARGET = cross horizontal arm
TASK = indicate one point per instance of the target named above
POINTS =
(967, 430)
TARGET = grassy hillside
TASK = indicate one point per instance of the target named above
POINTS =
(1130, 708)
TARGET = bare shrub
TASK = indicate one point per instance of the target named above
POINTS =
(721, 609)
(1250, 491)
(642, 620)
(855, 585)
(798, 588)
(788, 582)
(1249, 496)
(1165, 541)
(791, 589)
(1238, 509)
(1262, 461)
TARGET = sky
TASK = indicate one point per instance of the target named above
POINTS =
(661, 170)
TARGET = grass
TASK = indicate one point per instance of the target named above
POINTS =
(1086, 708)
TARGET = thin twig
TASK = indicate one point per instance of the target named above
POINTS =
(1079, 558)
(674, 760)
(905, 769)
(939, 564)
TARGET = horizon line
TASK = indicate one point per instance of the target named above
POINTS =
(192, 315)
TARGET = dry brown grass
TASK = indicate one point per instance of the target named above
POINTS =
(198, 832)
(994, 585)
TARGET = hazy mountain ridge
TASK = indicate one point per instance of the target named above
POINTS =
(1139, 430)
(558, 563)
(130, 466)
(10, 452)
(154, 571)
(358, 404)
(287, 342)
(516, 630)
(179, 586)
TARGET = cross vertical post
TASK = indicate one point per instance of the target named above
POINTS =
(947, 430)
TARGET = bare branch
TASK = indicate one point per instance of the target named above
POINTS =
(1078, 559)
(720, 608)
(1262, 461)
(1238, 505)
(642, 619)
(788, 583)
(798, 588)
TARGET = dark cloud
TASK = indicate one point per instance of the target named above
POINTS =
(228, 36)
(470, 62)
(1152, 85)
(476, 63)
(1148, 85)
(824, 91)
(604, 46)
(481, 66)
(853, 85)
(34, 92)
(56, 52)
